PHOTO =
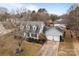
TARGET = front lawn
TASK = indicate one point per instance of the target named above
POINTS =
(8, 46)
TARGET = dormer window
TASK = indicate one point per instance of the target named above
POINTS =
(28, 27)
(24, 34)
(34, 27)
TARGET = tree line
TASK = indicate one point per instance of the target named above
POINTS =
(71, 18)
(24, 14)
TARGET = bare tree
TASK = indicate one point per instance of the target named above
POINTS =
(54, 17)
(42, 15)
(73, 17)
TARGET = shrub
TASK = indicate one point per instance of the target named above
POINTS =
(42, 38)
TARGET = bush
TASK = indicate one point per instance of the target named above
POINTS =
(42, 38)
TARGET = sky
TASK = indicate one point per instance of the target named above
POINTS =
(52, 8)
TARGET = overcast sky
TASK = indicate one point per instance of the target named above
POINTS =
(53, 8)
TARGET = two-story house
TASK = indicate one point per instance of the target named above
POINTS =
(31, 29)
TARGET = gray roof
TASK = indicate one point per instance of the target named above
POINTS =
(32, 22)
(53, 31)
(38, 24)
(60, 21)
(59, 29)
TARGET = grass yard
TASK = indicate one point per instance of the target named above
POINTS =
(30, 49)
(66, 48)
(8, 46)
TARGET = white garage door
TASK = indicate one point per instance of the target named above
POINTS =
(49, 37)
(56, 38)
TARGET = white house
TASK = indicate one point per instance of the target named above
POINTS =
(54, 33)
(60, 23)
(31, 29)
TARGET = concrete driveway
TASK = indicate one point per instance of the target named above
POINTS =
(50, 48)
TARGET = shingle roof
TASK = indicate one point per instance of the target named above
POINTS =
(53, 31)
(61, 30)
(38, 24)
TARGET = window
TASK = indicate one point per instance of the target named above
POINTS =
(34, 27)
(27, 27)
(21, 27)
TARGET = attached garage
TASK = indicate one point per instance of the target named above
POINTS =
(56, 38)
(53, 34)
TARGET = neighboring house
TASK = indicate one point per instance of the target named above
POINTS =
(54, 33)
(60, 23)
(62, 26)
(31, 29)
